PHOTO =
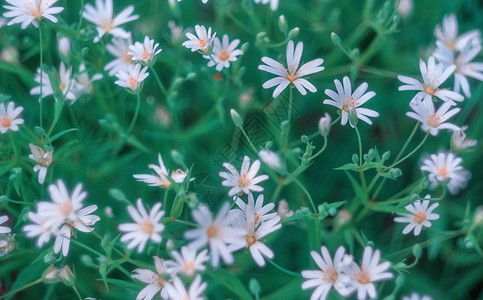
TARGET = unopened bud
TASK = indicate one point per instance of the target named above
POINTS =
(293, 33)
(324, 124)
(282, 24)
(335, 39)
(237, 119)
(417, 251)
(353, 117)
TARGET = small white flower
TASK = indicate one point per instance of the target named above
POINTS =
(419, 216)
(283, 211)
(146, 227)
(43, 159)
(83, 82)
(447, 34)
(223, 53)
(432, 121)
(156, 281)
(178, 290)
(119, 48)
(162, 176)
(273, 3)
(271, 159)
(245, 181)
(433, 76)
(8, 117)
(4, 229)
(260, 212)
(31, 11)
(362, 278)
(293, 74)
(188, 262)
(459, 140)
(201, 41)
(328, 276)
(40, 227)
(144, 52)
(67, 84)
(131, 77)
(102, 16)
(345, 100)
(445, 168)
(218, 232)
(415, 296)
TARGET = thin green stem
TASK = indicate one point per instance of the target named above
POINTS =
(306, 193)
(248, 139)
(21, 288)
(81, 13)
(12, 141)
(277, 191)
(361, 171)
(136, 113)
(41, 73)
(77, 292)
(158, 80)
(86, 247)
(283, 269)
(321, 150)
(411, 153)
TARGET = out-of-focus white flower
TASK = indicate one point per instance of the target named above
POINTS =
(432, 121)
(218, 232)
(120, 49)
(162, 176)
(144, 52)
(362, 278)
(293, 74)
(146, 227)
(325, 124)
(447, 35)
(201, 41)
(270, 158)
(30, 11)
(283, 211)
(177, 290)
(4, 229)
(345, 100)
(245, 181)
(329, 274)
(445, 167)
(176, 31)
(63, 44)
(8, 117)
(273, 3)
(10, 55)
(260, 211)
(131, 77)
(204, 1)
(83, 82)
(156, 281)
(459, 140)
(415, 296)
(66, 84)
(61, 216)
(405, 7)
(43, 159)
(223, 52)
(433, 76)
(419, 216)
(102, 16)
(188, 262)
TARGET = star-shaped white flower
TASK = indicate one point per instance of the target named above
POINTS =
(223, 52)
(162, 175)
(119, 48)
(432, 121)
(30, 11)
(419, 216)
(188, 261)
(144, 52)
(66, 85)
(156, 281)
(201, 41)
(273, 3)
(447, 35)
(43, 159)
(132, 77)
(293, 74)
(245, 181)
(8, 117)
(177, 291)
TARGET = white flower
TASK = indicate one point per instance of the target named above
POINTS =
(459, 140)
(271, 159)
(405, 7)
(131, 77)
(362, 278)
(178, 290)
(273, 3)
(8, 117)
(84, 83)
(4, 229)
(146, 226)
(162, 176)
(223, 53)
(283, 210)
(447, 34)
(144, 52)
(245, 181)
(61, 216)
(30, 11)
(445, 168)
(419, 216)
(67, 84)
(102, 16)
(345, 100)
(433, 76)
(328, 276)
(156, 281)
(201, 41)
(464, 65)
(415, 296)
(293, 74)
(188, 261)
(218, 232)
(260, 212)
(120, 49)
(43, 159)
(432, 121)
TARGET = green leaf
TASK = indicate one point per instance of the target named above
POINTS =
(59, 134)
(351, 167)
(230, 282)
(124, 284)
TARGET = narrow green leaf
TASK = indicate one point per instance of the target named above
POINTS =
(230, 282)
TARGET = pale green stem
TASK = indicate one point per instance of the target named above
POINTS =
(136, 113)
(41, 72)
(21, 288)
(283, 269)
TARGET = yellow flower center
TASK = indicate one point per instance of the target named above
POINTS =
(65, 208)
(5, 122)
(146, 227)
(419, 217)
(145, 55)
(212, 231)
(188, 265)
(433, 120)
(443, 172)
(251, 240)
(363, 277)
(133, 82)
(292, 77)
(428, 90)
(224, 56)
(329, 275)
(349, 103)
(203, 44)
(243, 182)
(127, 58)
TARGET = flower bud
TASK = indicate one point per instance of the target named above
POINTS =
(324, 124)
(293, 33)
(237, 119)
(353, 117)
(271, 159)
(282, 24)
(305, 139)
(417, 251)
(335, 39)
(64, 46)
